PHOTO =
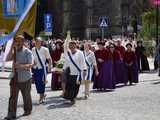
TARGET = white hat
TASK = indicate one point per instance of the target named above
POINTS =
(39, 39)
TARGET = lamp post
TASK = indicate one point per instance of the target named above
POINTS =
(157, 4)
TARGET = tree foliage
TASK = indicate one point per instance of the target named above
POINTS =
(149, 25)
(38, 2)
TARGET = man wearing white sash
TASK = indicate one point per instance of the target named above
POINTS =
(41, 55)
(75, 62)
(91, 65)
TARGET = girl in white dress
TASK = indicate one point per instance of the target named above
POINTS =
(91, 66)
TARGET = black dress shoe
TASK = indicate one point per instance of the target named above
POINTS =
(10, 118)
(130, 83)
(26, 113)
(73, 102)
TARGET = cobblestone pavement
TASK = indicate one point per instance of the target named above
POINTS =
(138, 102)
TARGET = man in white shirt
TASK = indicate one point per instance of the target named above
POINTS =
(75, 62)
(41, 56)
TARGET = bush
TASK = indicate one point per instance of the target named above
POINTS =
(150, 49)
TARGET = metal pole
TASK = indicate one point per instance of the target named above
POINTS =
(102, 33)
(157, 23)
(13, 82)
(157, 33)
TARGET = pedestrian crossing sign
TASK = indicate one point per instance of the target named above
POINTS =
(103, 22)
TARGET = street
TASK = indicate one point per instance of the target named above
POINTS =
(137, 102)
(117, 41)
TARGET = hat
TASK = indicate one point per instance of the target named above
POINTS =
(19, 36)
(111, 44)
(39, 39)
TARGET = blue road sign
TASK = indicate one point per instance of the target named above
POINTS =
(103, 22)
(48, 23)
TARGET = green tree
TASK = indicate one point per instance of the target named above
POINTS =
(149, 25)
(38, 2)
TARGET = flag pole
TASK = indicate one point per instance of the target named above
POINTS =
(14, 79)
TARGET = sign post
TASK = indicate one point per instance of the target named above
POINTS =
(48, 24)
(103, 23)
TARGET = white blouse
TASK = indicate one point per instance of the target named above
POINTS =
(78, 58)
(90, 57)
(44, 55)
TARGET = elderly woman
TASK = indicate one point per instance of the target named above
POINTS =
(131, 65)
(108, 74)
(143, 64)
(101, 56)
(56, 55)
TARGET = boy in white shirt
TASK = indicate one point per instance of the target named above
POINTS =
(75, 62)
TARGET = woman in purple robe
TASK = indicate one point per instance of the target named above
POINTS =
(131, 65)
(109, 72)
(101, 55)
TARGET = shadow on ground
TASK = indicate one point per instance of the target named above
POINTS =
(101, 91)
(156, 83)
(149, 72)
(150, 80)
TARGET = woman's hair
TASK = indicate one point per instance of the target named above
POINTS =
(129, 44)
(111, 44)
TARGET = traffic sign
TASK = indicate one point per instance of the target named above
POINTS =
(48, 24)
(103, 22)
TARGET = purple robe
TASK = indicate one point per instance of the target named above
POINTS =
(120, 72)
(132, 71)
(102, 54)
(107, 77)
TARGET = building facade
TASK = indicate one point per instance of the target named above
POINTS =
(82, 16)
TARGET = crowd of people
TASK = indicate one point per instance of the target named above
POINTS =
(109, 62)
(105, 63)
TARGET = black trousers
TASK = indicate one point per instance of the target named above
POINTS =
(130, 74)
(72, 88)
(155, 65)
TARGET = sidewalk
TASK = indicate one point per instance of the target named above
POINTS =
(6, 74)
(137, 102)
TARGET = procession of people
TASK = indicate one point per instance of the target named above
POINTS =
(105, 64)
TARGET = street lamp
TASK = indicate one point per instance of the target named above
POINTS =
(157, 4)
